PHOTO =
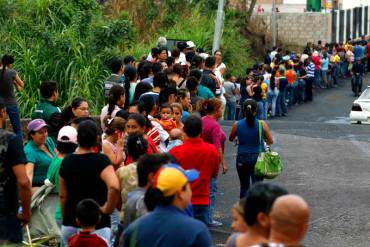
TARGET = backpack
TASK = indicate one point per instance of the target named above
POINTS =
(4, 178)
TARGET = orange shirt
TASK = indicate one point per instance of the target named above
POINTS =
(290, 76)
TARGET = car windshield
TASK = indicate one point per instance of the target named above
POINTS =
(365, 95)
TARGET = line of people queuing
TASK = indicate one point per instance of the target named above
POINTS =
(146, 174)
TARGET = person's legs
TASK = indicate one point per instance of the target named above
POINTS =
(284, 109)
(15, 119)
(324, 75)
(273, 103)
(309, 81)
(232, 110)
(201, 212)
(259, 110)
(212, 198)
(67, 232)
(278, 104)
(244, 178)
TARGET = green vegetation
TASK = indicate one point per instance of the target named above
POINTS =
(71, 41)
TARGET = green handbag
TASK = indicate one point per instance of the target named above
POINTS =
(269, 164)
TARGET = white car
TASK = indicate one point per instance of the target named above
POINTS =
(360, 112)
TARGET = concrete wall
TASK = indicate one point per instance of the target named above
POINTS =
(295, 28)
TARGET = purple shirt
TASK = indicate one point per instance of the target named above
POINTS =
(212, 132)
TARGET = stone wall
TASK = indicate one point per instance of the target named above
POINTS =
(294, 28)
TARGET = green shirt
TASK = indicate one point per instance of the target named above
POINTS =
(205, 92)
(40, 159)
(53, 176)
(46, 110)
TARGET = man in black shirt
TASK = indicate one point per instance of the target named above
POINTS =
(209, 78)
(13, 183)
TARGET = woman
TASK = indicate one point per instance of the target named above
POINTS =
(213, 134)
(66, 144)
(250, 145)
(177, 114)
(137, 125)
(257, 96)
(116, 101)
(114, 140)
(40, 151)
(245, 85)
(183, 97)
(85, 174)
(130, 73)
(324, 70)
(78, 108)
(8, 79)
(136, 147)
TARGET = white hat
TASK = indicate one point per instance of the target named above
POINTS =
(204, 55)
(67, 134)
(190, 44)
(162, 41)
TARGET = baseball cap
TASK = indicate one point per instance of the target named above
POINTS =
(36, 125)
(190, 44)
(67, 134)
(172, 178)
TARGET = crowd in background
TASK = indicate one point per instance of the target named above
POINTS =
(146, 173)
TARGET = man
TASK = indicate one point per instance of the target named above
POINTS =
(13, 182)
(209, 78)
(168, 225)
(116, 77)
(310, 78)
(202, 91)
(192, 86)
(199, 155)
(282, 83)
(358, 70)
(230, 95)
(289, 220)
(258, 204)
(47, 108)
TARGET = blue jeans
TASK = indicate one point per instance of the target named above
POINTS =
(201, 212)
(260, 110)
(281, 107)
(271, 99)
(13, 112)
(290, 94)
(231, 108)
(10, 229)
(245, 164)
(300, 91)
(317, 82)
(335, 74)
(265, 109)
(212, 197)
(69, 231)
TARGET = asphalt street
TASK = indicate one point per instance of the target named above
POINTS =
(326, 160)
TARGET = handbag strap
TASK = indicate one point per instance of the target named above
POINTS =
(260, 134)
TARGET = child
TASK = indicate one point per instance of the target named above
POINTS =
(87, 217)
(176, 138)
(177, 114)
(167, 121)
(238, 224)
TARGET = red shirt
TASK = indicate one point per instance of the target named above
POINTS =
(316, 61)
(83, 239)
(197, 154)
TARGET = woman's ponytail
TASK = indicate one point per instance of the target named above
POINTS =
(250, 108)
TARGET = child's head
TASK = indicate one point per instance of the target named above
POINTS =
(177, 111)
(166, 112)
(176, 134)
(238, 224)
(87, 213)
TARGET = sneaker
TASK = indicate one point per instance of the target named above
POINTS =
(215, 223)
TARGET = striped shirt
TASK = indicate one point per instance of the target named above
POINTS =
(311, 70)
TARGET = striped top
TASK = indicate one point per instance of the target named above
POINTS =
(311, 70)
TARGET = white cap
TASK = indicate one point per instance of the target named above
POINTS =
(67, 134)
(162, 41)
(190, 44)
(204, 55)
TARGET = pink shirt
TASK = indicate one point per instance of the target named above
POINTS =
(212, 132)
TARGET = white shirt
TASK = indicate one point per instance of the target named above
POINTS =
(104, 113)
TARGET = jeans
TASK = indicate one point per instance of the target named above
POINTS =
(300, 91)
(212, 197)
(68, 231)
(201, 212)
(231, 108)
(271, 99)
(335, 74)
(309, 82)
(290, 94)
(344, 68)
(317, 81)
(281, 107)
(324, 76)
(265, 108)
(114, 222)
(260, 110)
(13, 112)
(10, 229)
(245, 164)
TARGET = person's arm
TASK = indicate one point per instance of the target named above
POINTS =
(267, 133)
(111, 181)
(29, 170)
(233, 133)
(24, 187)
(63, 194)
(19, 84)
(117, 158)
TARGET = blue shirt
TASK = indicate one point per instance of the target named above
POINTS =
(249, 139)
(167, 226)
(358, 52)
(325, 64)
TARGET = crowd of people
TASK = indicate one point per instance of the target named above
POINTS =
(146, 173)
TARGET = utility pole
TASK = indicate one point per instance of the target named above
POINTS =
(218, 26)
(273, 22)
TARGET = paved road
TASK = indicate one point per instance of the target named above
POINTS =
(327, 161)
